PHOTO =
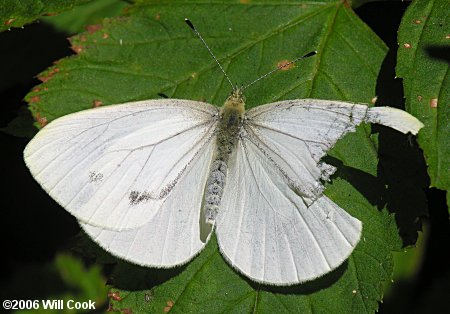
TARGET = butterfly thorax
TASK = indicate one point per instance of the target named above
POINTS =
(231, 116)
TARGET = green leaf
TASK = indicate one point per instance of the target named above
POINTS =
(423, 57)
(92, 13)
(19, 13)
(88, 282)
(151, 51)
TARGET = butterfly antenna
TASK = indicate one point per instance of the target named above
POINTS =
(310, 54)
(189, 23)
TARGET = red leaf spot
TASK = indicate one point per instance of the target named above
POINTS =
(433, 102)
(34, 99)
(77, 48)
(346, 4)
(9, 22)
(284, 65)
(48, 75)
(417, 21)
(406, 45)
(419, 98)
(97, 103)
(93, 28)
(115, 295)
(41, 120)
(169, 306)
(105, 35)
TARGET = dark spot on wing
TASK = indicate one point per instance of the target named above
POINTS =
(351, 115)
(137, 197)
(95, 177)
(166, 190)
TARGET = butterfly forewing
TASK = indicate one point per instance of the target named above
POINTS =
(297, 133)
(113, 166)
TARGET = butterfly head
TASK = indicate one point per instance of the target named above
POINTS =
(236, 99)
(234, 105)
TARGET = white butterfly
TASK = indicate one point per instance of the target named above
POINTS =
(150, 180)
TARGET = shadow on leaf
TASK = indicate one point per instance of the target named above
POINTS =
(125, 275)
(401, 166)
(439, 52)
(308, 287)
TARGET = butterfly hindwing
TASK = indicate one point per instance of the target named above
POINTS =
(268, 232)
(172, 236)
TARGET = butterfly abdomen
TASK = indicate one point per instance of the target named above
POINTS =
(231, 117)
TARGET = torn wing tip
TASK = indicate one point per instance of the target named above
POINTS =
(397, 119)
